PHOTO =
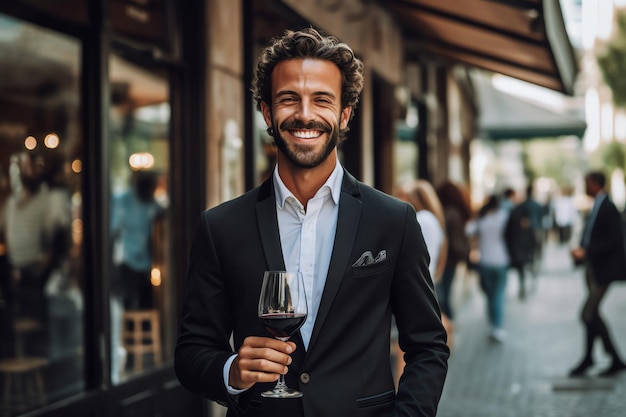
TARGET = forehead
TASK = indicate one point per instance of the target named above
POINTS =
(306, 73)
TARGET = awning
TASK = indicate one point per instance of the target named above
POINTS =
(504, 116)
(524, 39)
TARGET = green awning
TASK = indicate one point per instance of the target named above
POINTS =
(503, 116)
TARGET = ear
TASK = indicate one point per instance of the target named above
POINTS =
(267, 113)
(345, 117)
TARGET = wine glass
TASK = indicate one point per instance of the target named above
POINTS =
(282, 310)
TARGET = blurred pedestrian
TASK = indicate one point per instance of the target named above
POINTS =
(493, 263)
(457, 212)
(603, 253)
(429, 212)
(509, 199)
(522, 236)
(565, 214)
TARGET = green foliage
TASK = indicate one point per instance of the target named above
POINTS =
(612, 62)
(612, 155)
(554, 158)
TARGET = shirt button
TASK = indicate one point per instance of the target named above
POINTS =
(305, 378)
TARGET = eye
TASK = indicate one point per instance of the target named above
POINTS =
(287, 99)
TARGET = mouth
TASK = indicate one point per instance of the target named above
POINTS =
(306, 134)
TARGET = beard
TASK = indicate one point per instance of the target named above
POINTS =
(301, 155)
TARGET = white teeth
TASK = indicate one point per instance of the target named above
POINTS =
(306, 134)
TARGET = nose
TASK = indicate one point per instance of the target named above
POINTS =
(305, 111)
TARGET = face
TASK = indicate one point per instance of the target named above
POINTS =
(305, 111)
(30, 171)
(591, 188)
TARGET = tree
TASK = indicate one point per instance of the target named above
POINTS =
(612, 62)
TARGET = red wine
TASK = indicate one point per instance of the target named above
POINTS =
(282, 324)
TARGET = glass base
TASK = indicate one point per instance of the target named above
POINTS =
(282, 393)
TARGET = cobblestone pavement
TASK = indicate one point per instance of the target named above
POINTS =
(526, 375)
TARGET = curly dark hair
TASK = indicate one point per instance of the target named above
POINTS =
(309, 43)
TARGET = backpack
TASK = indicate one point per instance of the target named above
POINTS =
(519, 235)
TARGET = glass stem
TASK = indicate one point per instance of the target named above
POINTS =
(280, 385)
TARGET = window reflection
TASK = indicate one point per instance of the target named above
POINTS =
(139, 121)
(41, 300)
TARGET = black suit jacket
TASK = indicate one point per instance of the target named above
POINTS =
(605, 252)
(346, 371)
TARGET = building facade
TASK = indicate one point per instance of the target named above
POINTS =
(120, 120)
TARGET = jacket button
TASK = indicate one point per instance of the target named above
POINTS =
(305, 378)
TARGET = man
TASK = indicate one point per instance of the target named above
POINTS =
(522, 236)
(509, 199)
(361, 252)
(602, 251)
(134, 213)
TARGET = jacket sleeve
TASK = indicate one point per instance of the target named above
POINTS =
(203, 346)
(420, 331)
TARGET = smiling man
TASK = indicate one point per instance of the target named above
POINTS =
(360, 251)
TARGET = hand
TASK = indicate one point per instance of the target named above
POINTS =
(259, 359)
(578, 254)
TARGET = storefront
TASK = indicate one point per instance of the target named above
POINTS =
(97, 108)
(120, 120)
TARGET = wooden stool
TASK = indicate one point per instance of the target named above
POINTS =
(23, 326)
(23, 377)
(139, 341)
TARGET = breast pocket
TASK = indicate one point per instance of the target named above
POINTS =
(371, 269)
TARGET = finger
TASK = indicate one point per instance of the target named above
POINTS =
(264, 353)
(268, 342)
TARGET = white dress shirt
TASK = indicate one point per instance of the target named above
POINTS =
(307, 238)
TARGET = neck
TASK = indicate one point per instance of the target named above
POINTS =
(305, 182)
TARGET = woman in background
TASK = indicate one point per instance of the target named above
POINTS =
(493, 264)
(457, 212)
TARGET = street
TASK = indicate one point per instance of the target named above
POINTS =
(526, 376)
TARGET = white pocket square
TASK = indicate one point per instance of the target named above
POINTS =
(367, 258)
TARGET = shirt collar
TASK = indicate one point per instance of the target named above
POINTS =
(599, 197)
(333, 183)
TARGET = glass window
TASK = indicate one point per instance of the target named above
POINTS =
(41, 298)
(141, 285)
(405, 148)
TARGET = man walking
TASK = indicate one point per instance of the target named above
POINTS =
(602, 251)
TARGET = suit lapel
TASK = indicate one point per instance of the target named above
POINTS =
(347, 226)
(267, 223)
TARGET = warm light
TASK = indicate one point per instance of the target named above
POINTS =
(30, 143)
(155, 277)
(77, 231)
(51, 140)
(77, 166)
(141, 160)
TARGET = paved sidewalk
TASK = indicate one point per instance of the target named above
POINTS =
(526, 375)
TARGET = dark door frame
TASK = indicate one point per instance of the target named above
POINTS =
(158, 389)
